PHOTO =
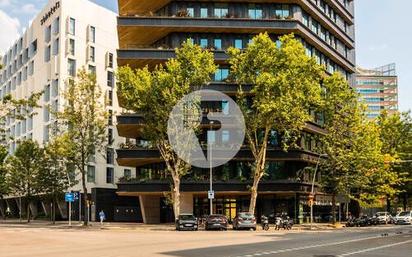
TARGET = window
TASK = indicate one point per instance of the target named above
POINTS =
(110, 156)
(31, 68)
(92, 35)
(204, 42)
(71, 67)
(91, 174)
(305, 19)
(71, 47)
(221, 74)
(282, 11)
(110, 136)
(109, 175)
(315, 26)
(127, 173)
(46, 133)
(238, 43)
(55, 88)
(47, 34)
(255, 12)
(225, 107)
(110, 98)
(110, 118)
(72, 26)
(218, 43)
(225, 136)
(47, 51)
(56, 46)
(46, 93)
(110, 79)
(46, 113)
(91, 54)
(56, 25)
(203, 13)
(110, 60)
(221, 11)
(190, 11)
(92, 69)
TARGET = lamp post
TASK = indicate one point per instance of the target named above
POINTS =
(312, 193)
(210, 170)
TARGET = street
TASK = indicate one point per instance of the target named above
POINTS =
(19, 241)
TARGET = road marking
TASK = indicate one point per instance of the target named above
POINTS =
(374, 248)
(312, 246)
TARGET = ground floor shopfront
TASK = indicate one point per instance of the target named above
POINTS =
(291, 198)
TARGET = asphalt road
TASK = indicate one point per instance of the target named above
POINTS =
(137, 241)
(360, 242)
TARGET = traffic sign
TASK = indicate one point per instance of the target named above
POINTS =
(211, 194)
(76, 195)
(69, 197)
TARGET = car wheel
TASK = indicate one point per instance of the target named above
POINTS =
(254, 229)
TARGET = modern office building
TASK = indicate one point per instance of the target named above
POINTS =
(378, 89)
(64, 37)
(150, 30)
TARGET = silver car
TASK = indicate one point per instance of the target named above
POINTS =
(404, 217)
(244, 220)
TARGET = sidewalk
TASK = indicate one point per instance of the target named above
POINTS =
(13, 223)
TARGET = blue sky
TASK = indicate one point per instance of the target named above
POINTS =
(383, 34)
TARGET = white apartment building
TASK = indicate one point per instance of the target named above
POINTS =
(65, 36)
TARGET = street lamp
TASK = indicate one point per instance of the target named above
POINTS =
(210, 170)
(312, 193)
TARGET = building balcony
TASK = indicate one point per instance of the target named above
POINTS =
(131, 40)
(139, 156)
(149, 7)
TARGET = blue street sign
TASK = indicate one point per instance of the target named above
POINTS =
(69, 197)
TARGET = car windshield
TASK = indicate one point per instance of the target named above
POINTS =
(405, 213)
(187, 217)
(216, 217)
(246, 215)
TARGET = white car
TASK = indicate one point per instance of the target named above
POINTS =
(404, 217)
(383, 217)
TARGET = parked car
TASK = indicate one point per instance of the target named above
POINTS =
(404, 217)
(186, 222)
(216, 221)
(363, 221)
(244, 220)
(382, 218)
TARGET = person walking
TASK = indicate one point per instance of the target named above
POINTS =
(102, 217)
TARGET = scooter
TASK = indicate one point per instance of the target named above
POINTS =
(264, 222)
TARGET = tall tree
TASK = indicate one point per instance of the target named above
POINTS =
(155, 93)
(286, 86)
(396, 136)
(84, 122)
(54, 178)
(22, 172)
(3, 184)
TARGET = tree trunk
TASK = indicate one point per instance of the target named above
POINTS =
(85, 199)
(334, 209)
(176, 197)
(53, 210)
(253, 195)
(28, 210)
(388, 204)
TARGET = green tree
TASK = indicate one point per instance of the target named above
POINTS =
(3, 185)
(84, 124)
(156, 92)
(22, 171)
(286, 86)
(54, 178)
(396, 136)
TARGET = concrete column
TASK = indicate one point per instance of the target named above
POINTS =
(186, 202)
(46, 207)
(33, 209)
(62, 208)
(150, 208)
(2, 208)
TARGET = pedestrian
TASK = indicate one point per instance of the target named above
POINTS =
(102, 217)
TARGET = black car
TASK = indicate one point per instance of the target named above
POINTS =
(216, 221)
(186, 222)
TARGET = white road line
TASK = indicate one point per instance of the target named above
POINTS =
(374, 248)
(312, 246)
